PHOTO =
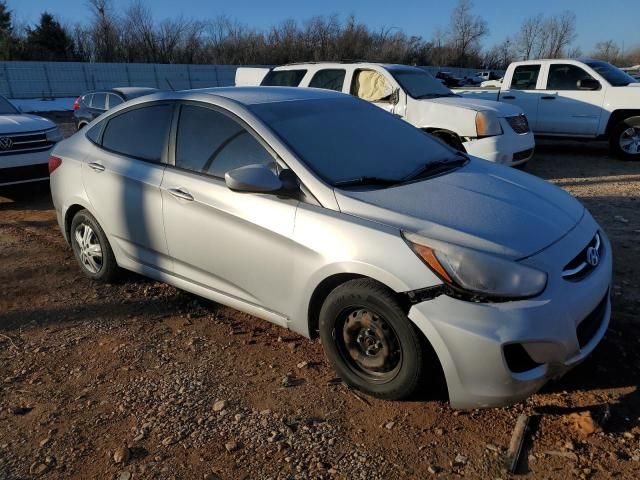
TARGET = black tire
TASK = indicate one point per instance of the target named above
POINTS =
(616, 134)
(341, 307)
(450, 139)
(108, 269)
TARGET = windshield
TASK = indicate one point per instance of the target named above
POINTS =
(420, 84)
(613, 75)
(341, 139)
(6, 107)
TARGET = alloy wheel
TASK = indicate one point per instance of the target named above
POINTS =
(89, 248)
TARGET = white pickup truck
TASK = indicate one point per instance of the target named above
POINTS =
(486, 129)
(588, 99)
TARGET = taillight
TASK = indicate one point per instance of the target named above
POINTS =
(54, 162)
(76, 104)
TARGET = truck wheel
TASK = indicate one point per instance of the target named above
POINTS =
(449, 138)
(625, 139)
(369, 340)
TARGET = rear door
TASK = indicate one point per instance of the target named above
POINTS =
(122, 177)
(329, 79)
(238, 244)
(566, 109)
(524, 91)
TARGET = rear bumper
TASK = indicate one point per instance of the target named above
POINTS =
(510, 148)
(470, 338)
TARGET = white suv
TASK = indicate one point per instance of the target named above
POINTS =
(25, 143)
(487, 129)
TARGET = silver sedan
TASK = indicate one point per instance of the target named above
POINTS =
(413, 263)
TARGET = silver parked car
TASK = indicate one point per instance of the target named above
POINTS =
(326, 215)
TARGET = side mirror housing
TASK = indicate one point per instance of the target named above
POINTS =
(589, 84)
(253, 179)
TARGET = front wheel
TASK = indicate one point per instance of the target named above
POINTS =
(625, 139)
(369, 340)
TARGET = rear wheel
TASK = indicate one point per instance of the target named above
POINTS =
(625, 139)
(369, 340)
(91, 248)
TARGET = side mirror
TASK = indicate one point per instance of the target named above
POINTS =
(588, 84)
(253, 179)
(395, 96)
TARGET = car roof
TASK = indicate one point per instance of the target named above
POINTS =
(257, 95)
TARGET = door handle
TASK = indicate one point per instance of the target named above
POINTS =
(509, 97)
(548, 97)
(98, 167)
(180, 193)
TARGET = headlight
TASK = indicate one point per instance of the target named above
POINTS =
(54, 135)
(475, 273)
(487, 124)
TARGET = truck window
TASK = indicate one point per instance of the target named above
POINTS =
(565, 77)
(525, 77)
(330, 79)
(283, 78)
(371, 86)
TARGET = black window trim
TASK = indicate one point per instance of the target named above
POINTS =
(165, 149)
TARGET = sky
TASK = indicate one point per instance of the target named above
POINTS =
(597, 20)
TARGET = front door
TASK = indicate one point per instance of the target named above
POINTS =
(238, 244)
(566, 109)
(524, 93)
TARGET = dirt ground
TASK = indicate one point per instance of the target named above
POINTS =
(139, 380)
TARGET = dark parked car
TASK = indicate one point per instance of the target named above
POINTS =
(449, 80)
(92, 104)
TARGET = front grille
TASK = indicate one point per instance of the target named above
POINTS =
(24, 143)
(585, 262)
(523, 155)
(592, 322)
(519, 123)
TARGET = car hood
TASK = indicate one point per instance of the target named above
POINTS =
(482, 206)
(21, 123)
(500, 109)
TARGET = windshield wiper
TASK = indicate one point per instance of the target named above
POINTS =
(363, 181)
(440, 166)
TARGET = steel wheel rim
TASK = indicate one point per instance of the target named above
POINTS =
(630, 140)
(368, 344)
(89, 248)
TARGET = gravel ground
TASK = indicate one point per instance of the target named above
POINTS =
(137, 380)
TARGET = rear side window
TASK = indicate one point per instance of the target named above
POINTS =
(283, 78)
(211, 142)
(525, 77)
(331, 79)
(114, 100)
(566, 77)
(99, 101)
(140, 133)
(86, 99)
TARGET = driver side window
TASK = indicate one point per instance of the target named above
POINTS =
(213, 143)
(371, 86)
(566, 77)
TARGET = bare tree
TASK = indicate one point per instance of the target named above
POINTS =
(105, 31)
(608, 50)
(466, 31)
(561, 31)
(529, 36)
